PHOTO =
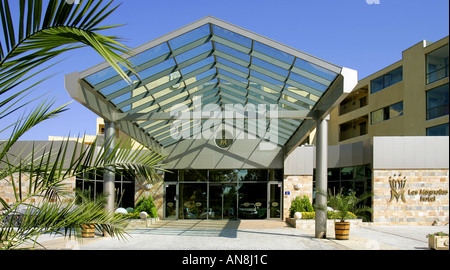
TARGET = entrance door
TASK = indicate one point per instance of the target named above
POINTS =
(171, 202)
(274, 200)
(222, 201)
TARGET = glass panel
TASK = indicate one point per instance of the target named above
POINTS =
(232, 64)
(252, 201)
(437, 64)
(193, 200)
(193, 53)
(101, 76)
(222, 201)
(308, 82)
(396, 75)
(437, 101)
(279, 175)
(231, 75)
(223, 175)
(310, 67)
(376, 85)
(377, 116)
(268, 79)
(150, 54)
(190, 36)
(197, 65)
(232, 52)
(232, 36)
(229, 195)
(171, 201)
(275, 200)
(360, 172)
(267, 50)
(396, 110)
(170, 63)
(215, 202)
(171, 176)
(195, 175)
(346, 173)
(333, 174)
(441, 130)
(269, 66)
(253, 175)
(204, 74)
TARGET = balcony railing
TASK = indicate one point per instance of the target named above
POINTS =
(437, 111)
(437, 74)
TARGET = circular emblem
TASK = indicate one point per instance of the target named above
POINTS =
(224, 139)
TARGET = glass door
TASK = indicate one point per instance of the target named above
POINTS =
(274, 200)
(170, 201)
(222, 201)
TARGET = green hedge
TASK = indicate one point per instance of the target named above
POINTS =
(330, 215)
(300, 205)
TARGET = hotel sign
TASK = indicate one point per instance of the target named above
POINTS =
(398, 189)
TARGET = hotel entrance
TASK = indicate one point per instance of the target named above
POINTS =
(223, 194)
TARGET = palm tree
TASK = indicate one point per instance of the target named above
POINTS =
(40, 32)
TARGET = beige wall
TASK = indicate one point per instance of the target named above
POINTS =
(411, 90)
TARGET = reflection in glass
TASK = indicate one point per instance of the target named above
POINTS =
(222, 201)
(171, 201)
(275, 200)
(193, 200)
(252, 201)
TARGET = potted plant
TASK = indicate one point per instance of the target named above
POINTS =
(438, 241)
(85, 196)
(345, 205)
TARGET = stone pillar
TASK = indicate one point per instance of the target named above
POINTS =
(109, 175)
(321, 177)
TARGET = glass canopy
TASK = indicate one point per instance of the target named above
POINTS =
(222, 64)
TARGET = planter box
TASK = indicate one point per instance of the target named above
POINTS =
(309, 224)
(140, 223)
(438, 242)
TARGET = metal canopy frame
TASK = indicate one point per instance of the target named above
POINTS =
(222, 63)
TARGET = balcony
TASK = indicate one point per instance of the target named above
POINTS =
(354, 128)
(437, 64)
(355, 100)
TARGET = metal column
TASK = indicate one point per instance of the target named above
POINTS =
(321, 177)
(109, 175)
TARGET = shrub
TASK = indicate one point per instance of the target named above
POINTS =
(147, 205)
(300, 205)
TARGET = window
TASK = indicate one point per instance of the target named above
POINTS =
(437, 101)
(386, 80)
(437, 64)
(387, 113)
(441, 130)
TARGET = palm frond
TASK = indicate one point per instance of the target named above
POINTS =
(51, 30)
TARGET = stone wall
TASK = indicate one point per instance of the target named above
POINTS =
(296, 185)
(7, 188)
(156, 190)
(411, 197)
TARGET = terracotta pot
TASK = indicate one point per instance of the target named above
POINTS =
(87, 230)
(342, 230)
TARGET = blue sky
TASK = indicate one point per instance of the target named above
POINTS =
(349, 33)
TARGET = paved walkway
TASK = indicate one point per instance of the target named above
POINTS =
(251, 235)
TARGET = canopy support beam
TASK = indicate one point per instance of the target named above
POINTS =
(321, 177)
(109, 174)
